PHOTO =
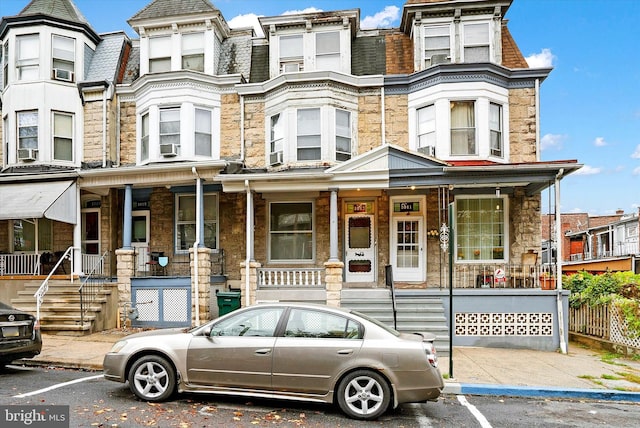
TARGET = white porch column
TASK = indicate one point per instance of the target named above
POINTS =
(333, 226)
(76, 269)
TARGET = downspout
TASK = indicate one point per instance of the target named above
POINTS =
(563, 343)
(537, 89)
(382, 119)
(196, 245)
(104, 126)
(242, 128)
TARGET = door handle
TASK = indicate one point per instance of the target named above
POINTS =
(345, 352)
(264, 351)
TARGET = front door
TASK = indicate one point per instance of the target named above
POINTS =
(407, 249)
(360, 255)
(140, 238)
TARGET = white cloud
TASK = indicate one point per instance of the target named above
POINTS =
(541, 60)
(588, 170)
(636, 171)
(636, 153)
(383, 19)
(246, 21)
(552, 141)
(305, 10)
(599, 142)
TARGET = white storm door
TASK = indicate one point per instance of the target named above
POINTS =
(360, 257)
(140, 238)
(407, 249)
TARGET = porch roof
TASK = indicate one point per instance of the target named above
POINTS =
(55, 200)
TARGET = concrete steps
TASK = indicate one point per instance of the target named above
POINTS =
(60, 308)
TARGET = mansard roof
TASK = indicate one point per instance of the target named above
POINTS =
(106, 61)
(169, 8)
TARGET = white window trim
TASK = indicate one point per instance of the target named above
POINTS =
(314, 227)
(53, 136)
(177, 222)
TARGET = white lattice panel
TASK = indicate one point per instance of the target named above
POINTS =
(503, 324)
(174, 305)
(147, 304)
(618, 329)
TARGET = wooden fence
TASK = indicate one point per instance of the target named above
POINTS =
(591, 321)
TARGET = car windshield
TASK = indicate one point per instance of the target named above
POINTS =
(376, 322)
(4, 306)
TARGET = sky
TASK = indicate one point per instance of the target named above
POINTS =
(590, 103)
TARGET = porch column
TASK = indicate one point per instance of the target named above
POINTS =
(249, 274)
(200, 213)
(333, 226)
(77, 236)
(128, 217)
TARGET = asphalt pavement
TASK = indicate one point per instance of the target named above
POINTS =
(581, 373)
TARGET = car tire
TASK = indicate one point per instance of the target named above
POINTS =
(364, 395)
(152, 378)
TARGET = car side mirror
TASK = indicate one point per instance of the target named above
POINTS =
(214, 332)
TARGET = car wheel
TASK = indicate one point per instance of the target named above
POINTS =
(152, 378)
(364, 394)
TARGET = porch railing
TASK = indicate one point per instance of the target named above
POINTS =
(92, 283)
(154, 262)
(19, 264)
(290, 277)
(500, 275)
(44, 287)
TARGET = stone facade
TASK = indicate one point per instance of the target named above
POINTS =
(396, 116)
(230, 127)
(522, 125)
(128, 133)
(95, 151)
(254, 129)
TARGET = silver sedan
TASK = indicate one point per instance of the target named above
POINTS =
(285, 351)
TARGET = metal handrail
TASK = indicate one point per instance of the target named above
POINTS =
(86, 299)
(44, 287)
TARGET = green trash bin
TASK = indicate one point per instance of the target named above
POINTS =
(228, 301)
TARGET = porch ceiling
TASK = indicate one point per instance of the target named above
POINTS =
(53, 200)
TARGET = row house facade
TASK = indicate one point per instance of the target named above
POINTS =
(306, 164)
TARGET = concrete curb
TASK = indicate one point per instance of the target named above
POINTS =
(540, 391)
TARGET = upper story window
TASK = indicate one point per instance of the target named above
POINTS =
(495, 129)
(144, 137)
(63, 55)
(427, 130)
(463, 128)
(203, 130)
(27, 130)
(186, 221)
(291, 54)
(169, 131)
(437, 45)
(62, 136)
(5, 64)
(328, 51)
(159, 54)
(476, 42)
(28, 57)
(193, 51)
(276, 137)
(343, 135)
(309, 134)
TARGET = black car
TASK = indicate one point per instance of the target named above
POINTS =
(19, 335)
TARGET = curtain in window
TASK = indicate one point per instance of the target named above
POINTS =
(463, 132)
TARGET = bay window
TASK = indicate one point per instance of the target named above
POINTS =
(276, 136)
(202, 136)
(193, 51)
(495, 129)
(427, 129)
(5, 64)
(63, 55)
(291, 231)
(480, 228)
(169, 131)
(28, 57)
(343, 135)
(63, 136)
(144, 138)
(186, 221)
(159, 54)
(28, 130)
(463, 128)
(309, 134)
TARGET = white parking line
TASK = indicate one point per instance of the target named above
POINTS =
(484, 423)
(59, 385)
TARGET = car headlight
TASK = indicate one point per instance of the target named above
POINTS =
(117, 347)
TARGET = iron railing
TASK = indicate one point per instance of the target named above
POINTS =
(92, 283)
(44, 287)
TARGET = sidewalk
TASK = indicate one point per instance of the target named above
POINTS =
(581, 373)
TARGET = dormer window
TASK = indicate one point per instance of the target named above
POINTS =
(476, 42)
(291, 54)
(437, 45)
(193, 51)
(28, 57)
(63, 54)
(159, 54)
(328, 51)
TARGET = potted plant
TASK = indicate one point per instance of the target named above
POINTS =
(547, 281)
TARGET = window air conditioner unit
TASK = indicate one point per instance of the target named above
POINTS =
(27, 154)
(65, 75)
(428, 150)
(169, 150)
(275, 158)
(439, 59)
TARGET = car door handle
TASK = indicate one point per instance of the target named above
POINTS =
(264, 351)
(345, 352)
